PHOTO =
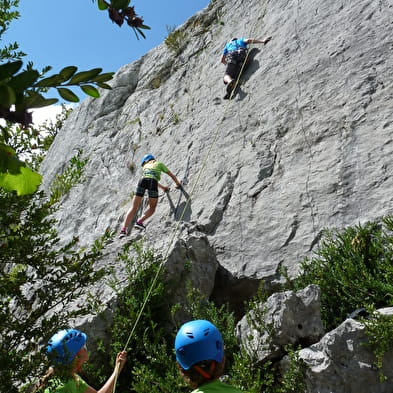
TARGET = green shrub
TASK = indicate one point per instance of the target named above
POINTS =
(265, 377)
(175, 39)
(151, 364)
(63, 183)
(379, 331)
(354, 268)
(38, 280)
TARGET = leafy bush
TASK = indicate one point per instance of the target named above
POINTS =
(151, 365)
(255, 377)
(354, 269)
(175, 39)
(63, 183)
(379, 330)
(252, 377)
(34, 142)
(38, 280)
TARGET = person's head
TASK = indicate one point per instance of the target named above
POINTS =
(68, 347)
(147, 158)
(199, 352)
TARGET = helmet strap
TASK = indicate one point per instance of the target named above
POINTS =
(204, 373)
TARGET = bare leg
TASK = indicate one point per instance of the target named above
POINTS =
(132, 211)
(150, 211)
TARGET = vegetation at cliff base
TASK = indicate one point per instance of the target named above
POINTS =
(354, 269)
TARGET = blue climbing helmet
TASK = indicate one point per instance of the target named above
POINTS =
(64, 345)
(147, 158)
(197, 341)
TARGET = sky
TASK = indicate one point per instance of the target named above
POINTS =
(75, 32)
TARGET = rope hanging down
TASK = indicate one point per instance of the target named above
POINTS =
(174, 232)
(176, 229)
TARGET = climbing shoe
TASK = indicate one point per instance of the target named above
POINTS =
(139, 225)
(123, 233)
(230, 87)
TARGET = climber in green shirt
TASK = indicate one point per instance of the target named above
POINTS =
(68, 352)
(199, 351)
(151, 175)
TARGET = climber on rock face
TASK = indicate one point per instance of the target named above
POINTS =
(67, 352)
(150, 181)
(234, 55)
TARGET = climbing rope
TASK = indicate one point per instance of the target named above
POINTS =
(174, 232)
(302, 127)
(176, 229)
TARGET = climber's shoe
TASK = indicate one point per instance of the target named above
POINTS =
(123, 233)
(139, 225)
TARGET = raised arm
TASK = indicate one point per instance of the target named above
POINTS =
(255, 41)
(109, 384)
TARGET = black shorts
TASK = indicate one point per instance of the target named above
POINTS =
(151, 185)
(235, 60)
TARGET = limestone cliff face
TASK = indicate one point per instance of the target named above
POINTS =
(306, 143)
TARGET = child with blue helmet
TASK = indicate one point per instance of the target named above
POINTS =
(151, 176)
(199, 351)
(67, 352)
(233, 56)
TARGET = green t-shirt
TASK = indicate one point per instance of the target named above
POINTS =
(216, 387)
(153, 169)
(70, 386)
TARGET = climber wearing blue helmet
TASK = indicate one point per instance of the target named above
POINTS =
(151, 175)
(67, 352)
(200, 355)
(234, 56)
(64, 345)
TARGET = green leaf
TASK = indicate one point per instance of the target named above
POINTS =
(84, 76)
(90, 91)
(103, 77)
(14, 175)
(102, 5)
(44, 102)
(67, 94)
(51, 81)
(24, 183)
(67, 72)
(23, 80)
(7, 96)
(36, 100)
(8, 160)
(104, 86)
(141, 32)
(8, 69)
(145, 27)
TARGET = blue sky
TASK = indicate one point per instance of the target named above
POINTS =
(74, 32)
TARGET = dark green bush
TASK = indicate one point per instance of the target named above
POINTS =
(379, 331)
(151, 365)
(354, 268)
(36, 278)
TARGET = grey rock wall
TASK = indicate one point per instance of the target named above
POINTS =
(285, 318)
(341, 362)
(306, 143)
